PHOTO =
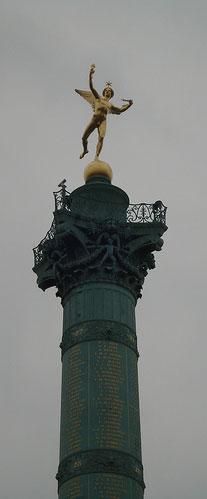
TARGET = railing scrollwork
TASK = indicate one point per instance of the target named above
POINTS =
(40, 250)
(62, 199)
(145, 213)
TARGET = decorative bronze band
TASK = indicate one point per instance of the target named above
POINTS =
(99, 330)
(100, 461)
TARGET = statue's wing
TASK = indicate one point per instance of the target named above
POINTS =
(87, 96)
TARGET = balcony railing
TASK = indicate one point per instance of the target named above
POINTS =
(62, 199)
(145, 213)
(136, 213)
(40, 250)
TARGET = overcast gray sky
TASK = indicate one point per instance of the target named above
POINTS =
(154, 51)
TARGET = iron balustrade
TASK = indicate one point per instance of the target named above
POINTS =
(144, 213)
(62, 199)
(39, 251)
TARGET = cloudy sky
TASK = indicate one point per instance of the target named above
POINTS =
(154, 51)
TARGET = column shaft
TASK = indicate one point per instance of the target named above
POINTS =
(100, 443)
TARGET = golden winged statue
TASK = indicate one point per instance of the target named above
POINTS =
(101, 107)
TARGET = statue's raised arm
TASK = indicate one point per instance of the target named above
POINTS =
(101, 107)
(94, 92)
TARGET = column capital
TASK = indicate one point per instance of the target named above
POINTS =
(81, 248)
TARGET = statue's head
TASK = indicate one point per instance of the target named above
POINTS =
(111, 225)
(108, 92)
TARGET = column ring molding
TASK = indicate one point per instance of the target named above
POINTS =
(100, 461)
(99, 330)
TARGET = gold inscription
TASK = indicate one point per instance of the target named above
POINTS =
(110, 403)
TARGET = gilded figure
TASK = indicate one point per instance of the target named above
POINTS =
(101, 107)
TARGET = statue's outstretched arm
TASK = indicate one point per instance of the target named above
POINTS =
(94, 92)
(119, 110)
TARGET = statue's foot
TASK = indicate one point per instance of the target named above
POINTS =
(83, 154)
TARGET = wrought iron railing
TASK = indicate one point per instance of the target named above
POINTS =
(62, 199)
(39, 251)
(136, 213)
(144, 213)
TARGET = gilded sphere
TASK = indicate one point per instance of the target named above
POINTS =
(98, 168)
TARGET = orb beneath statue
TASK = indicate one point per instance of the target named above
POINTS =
(97, 167)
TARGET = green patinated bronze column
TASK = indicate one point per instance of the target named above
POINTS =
(97, 253)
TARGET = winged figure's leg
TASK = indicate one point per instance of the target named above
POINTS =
(101, 135)
(89, 129)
